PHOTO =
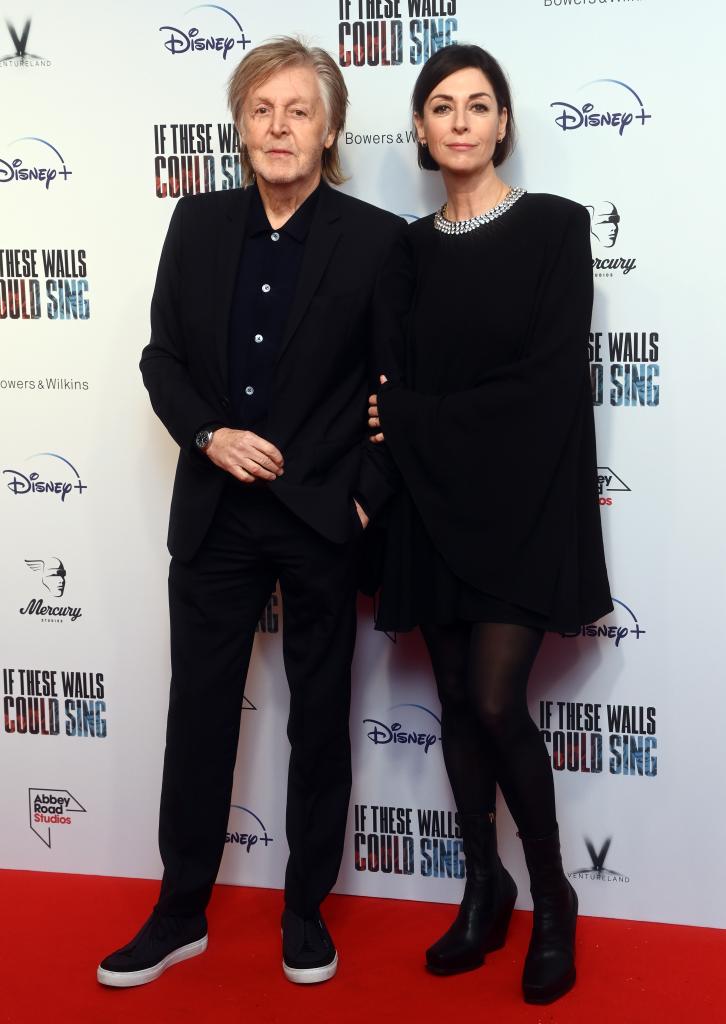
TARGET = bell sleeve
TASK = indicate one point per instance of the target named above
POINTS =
(494, 470)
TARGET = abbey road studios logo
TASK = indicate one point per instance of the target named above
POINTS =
(21, 58)
(49, 808)
(52, 577)
(597, 872)
(215, 30)
(609, 485)
(410, 724)
(248, 832)
(32, 161)
(608, 103)
(55, 478)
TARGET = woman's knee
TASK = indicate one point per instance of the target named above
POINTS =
(501, 714)
(452, 689)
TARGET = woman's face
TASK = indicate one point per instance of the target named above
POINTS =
(461, 122)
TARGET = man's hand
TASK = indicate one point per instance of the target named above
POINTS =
(245, 455)
(373, 418)
(361, 515)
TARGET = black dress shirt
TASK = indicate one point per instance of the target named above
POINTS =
(268, 273)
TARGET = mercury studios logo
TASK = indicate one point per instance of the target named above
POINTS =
(597, 872)
(21, 58)
(38, 164)
(608, 484)
(604, 229)
(618, 107)
(215, 38)
(48, 807)
(254, 832)
(622, 623)
(422, 728)
(53, 578)
(59, 480)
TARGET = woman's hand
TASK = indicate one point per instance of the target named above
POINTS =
(373, 420)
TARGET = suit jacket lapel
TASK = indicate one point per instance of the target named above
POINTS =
(229, 249)
(321, 242)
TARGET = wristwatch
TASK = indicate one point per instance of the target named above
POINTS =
(203, 439)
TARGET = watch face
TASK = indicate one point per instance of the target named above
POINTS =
(203, 438)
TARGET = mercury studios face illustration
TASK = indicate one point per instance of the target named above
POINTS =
(53, 574)
(604, 223)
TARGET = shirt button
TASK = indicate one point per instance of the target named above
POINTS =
(265, 288)
(249, 390)
(259, 338)
(275, 235)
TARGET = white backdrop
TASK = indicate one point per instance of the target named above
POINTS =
(632, 709)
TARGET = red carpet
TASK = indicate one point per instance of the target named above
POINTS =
(57, 927)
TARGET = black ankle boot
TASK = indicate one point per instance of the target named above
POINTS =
(549, 970)
(489, 896)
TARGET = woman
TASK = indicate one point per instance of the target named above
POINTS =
(496, 536)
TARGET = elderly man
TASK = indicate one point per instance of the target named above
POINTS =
(259, 366)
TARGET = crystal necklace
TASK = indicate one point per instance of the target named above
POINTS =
(461, 227)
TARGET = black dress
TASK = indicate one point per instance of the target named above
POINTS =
(490, 422)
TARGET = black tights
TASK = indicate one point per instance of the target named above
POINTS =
(487, 733)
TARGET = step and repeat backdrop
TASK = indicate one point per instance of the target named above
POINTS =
(110, 113)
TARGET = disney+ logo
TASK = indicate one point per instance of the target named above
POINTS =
(16, 170)
(382, 733)
(193, 41)
(252, 834)
(621, 117)
(615, 631)
(34, 483)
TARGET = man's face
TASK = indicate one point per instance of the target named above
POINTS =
(605, 224)
(54, 578)
(284, 128)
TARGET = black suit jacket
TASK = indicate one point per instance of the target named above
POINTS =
(324, 372)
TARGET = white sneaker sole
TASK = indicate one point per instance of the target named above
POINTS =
(310, 975)
(127, 979)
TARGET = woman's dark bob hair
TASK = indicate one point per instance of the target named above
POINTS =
(444, 63)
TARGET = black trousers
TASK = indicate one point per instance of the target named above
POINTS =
(215, 602)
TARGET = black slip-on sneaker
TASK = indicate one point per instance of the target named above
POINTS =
(161, 943)
(308, 952)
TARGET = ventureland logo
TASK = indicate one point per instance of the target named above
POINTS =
(597, 872)
(21, 58)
